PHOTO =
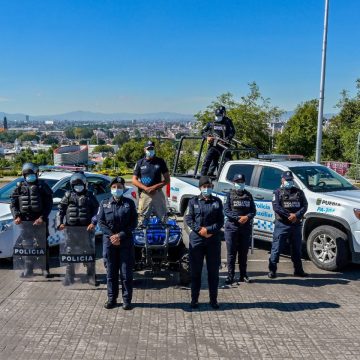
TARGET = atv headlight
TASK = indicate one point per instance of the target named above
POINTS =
(139, 239)
(174, 238)
(5, 224)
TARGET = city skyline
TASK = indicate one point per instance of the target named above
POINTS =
(178, 56)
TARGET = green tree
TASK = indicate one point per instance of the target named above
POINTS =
(299, 134)
(104, 149)
(121, 138)
(28, 137)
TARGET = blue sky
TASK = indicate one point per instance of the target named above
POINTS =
(171, 55)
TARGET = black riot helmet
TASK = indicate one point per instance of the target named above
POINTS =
(29, 168)
(220, 112)
(78, 179)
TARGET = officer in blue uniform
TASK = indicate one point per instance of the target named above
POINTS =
(117, 218)
(222, 127)
(239, 209)
(290, 205)
(151, 174)
(205, 218)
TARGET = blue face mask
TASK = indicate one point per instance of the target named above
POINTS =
(206, 191)
(79, 188)
(30, 178)
(288, 184)
(239, 186)
(117, 192)
(150, 153)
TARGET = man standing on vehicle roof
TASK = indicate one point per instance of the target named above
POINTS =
(117, 218)
(147, 177)
(205, 218)
(290, 205)
(239, 209)
(32, 201)
(223, 128)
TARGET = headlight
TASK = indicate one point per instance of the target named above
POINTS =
(174, 238)
(139, 239)
(5, 224)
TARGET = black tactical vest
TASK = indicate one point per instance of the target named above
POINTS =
(30, 199)
(219, 129)
(77, 213)
(289, 200)
(240, 202)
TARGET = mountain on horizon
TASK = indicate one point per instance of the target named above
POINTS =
(97, 116)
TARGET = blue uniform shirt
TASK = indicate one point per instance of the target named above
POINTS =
(287, 201)
(118, 217)
(245, 206)
(206, 213)
(149, 171)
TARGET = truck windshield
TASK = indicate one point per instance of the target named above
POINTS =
(321, 179)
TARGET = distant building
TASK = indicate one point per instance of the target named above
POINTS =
(5, 124)
(71, 155)
(27, 118)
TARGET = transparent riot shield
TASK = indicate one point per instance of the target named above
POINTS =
(77, 256)
(29, 254)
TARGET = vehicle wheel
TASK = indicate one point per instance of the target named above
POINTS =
(328, 248)
(184, 270)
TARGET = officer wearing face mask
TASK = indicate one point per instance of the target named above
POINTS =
(151, 174)
(223, 128)
(78, 207)
(205, 218)
(290, 205)
(117, 218)
(239, 209)
(32, 201)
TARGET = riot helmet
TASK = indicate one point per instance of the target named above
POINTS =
(78, 182)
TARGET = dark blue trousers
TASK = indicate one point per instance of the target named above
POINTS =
(120, 260)
(282, 233)
(199, 249)
(238, 240)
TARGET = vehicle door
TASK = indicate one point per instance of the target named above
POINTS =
(267, 179)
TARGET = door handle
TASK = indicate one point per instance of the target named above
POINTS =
(259, 197)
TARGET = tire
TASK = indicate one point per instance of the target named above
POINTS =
(328, 248)
(184, 270)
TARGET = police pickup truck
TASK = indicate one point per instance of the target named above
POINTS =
(331, 227)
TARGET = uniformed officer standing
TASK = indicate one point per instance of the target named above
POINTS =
(290, 205)
(147, 177)
(239, 209)
(77, 208)
(32, 201)
(117, 218)
(222, 127)
(205, 218)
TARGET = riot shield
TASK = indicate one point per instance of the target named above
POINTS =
(77, 256)
(29, 254)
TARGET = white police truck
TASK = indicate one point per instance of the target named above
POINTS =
(331, 226)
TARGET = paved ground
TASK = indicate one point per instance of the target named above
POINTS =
(314, 318)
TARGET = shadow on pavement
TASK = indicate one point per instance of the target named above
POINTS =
(273, 305)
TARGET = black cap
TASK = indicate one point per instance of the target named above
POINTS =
(117, 180)
(220, 111)
(239, 178)
(204, 180)
(149, 144)
(287, 175)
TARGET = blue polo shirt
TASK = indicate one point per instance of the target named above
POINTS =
(149, 171)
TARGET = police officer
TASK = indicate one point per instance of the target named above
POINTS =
(290, 205)
(223, 128)
(32, 201)
(77, 208)
(239, 210)
(117, 218)
(147, 177)
(205, 218)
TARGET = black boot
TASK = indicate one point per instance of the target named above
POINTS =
(229, 280)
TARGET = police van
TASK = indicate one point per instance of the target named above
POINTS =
(331, 226)
(58, 179)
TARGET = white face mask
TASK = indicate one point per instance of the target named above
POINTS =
(150, 153)
(288, 184)
(79, 188)
(218, 118)
(239, 186)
